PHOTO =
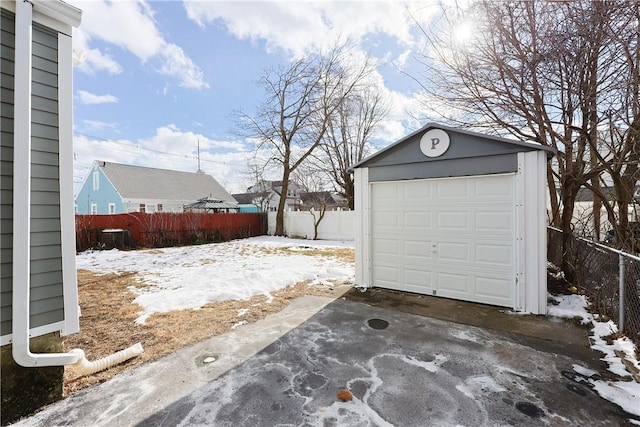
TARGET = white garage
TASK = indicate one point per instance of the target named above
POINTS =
(455, 214)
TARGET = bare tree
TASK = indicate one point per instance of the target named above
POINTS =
(541, 71)
(299, 101)
(312, 180)
(348, 137)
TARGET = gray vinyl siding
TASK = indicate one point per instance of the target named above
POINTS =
(7, 55)
(46, 253)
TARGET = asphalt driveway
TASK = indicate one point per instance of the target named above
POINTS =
(402, 369)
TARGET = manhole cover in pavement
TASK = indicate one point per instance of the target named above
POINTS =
(529, 409)
(377, 323)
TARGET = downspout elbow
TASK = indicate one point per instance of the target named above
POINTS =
(23, 357)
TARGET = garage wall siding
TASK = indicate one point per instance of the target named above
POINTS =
(504, 163)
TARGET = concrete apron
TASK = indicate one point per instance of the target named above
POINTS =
(403, 369)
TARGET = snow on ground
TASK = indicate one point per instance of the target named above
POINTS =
(625, 394)
(189, 277)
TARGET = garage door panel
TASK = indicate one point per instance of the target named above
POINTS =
(417, 219)
(452, 237)
(450, 284)
(452, 188)
(385, 246)
(494, 254)
(494, 186)
(418, 279)
(386, 219)
(416, 190)
(493, 220)
(492, 288)
(453, 220)
(417, 248)
(453, 251)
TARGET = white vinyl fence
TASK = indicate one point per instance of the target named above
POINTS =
(336, 225)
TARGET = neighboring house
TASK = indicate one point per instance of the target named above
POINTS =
(112, 188)
(583, 210)
(274, 188)
(323, 200)
(39, 300)
(253, 202)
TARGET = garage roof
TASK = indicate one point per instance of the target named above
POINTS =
(471, 144)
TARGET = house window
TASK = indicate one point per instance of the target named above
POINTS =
(142, 208)
(76, 208)
(94, 209)
(112, 208)
(96, 180)
(159, 207)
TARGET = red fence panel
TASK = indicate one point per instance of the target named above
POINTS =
(163, 229)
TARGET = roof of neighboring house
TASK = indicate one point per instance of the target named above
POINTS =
(586, 195)
(208, 203)
(137, 182)
(327, 197)
(249, 198)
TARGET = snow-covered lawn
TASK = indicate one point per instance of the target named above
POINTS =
(189, 277)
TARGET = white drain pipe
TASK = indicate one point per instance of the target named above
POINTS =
(85, 367)
(22, 216)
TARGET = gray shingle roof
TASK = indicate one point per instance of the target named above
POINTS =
(137, 182)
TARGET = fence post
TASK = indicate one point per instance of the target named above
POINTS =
(621, 293)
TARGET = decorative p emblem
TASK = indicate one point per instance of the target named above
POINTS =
(434, 143)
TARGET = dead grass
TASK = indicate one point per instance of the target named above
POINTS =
(108, 314)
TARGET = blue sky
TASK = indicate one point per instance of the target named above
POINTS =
(153, 78)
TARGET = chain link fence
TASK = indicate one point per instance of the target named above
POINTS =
(597, 271)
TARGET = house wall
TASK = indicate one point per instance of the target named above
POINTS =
(47, 306)
(39, 109)
(7, 53)
(102, 197)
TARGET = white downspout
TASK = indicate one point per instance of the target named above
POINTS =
(22, 216)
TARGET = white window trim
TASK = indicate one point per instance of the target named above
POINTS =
(96, 180)
(94, 209)
(112, 208)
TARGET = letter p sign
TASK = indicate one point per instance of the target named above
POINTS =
(434, 143)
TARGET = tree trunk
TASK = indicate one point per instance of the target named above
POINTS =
(568, 198)
(283, 200)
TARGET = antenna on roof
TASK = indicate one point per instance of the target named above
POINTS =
(199, 170)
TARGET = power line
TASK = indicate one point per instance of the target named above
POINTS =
(141, 147)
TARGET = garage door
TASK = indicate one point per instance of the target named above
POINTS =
(450, 237)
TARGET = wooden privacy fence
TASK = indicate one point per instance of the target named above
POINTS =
(161, 229)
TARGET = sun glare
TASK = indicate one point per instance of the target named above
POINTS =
(463, 32)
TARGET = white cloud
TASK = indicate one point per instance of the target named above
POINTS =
(169, 148)
(298, 27)
(93, 125)
(89, 98)
(131, 26)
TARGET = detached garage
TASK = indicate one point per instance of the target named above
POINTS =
(455, 214)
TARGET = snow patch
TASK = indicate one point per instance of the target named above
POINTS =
(586, 372)
(185, 278)
(476, 386)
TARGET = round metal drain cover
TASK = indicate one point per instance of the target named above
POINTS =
(529, 409)
(378, 324)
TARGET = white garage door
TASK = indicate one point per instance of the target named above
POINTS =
(450, 237)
